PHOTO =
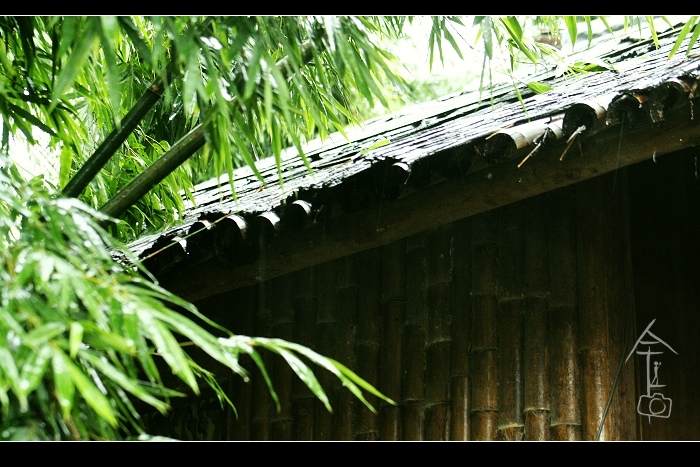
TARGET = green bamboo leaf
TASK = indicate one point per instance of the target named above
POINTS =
(453, 42)
(487, 31)
(31, 118)
(605, 22)
(107, 29)
(168, 348)
(253, 70)
(539, 88)
(63, 384)
(66, 159)
(693, 39)
(255, 356)
(352, 376)
(70, 27)
(129, 27)
(33, 371)
(305, 374)
(75, 63)
(8, 368)
(92, 395)
(201, 338)
(652, 28)
(572, 28)
(681, 36)
(75, 338)
(125, 382)
(516, 34)
(44, 333)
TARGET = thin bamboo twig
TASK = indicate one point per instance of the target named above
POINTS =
(571, 139)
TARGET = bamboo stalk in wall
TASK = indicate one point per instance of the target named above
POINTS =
(438, 346)
(484, 340)
(536, 389)
(346, 333)
(593, 197)
(414, 339)
(511, 281)
(621, 317)
(304, 333)
(239, 425)
(461, 305)
(280, 301)
(393, 311)
(262, 401)
(563, 317)
(325, 341)
(368, 338)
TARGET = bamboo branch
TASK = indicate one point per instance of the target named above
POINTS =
(155, 173)
(168, 162)
(109, 146)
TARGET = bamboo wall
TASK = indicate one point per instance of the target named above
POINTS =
(508, 325)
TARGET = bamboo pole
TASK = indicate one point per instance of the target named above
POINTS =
(326, 338)
(536, 389)
(347, 315)
(414, 330)
(243, 322)
(155, 173)
(621, 319)
(111, 143)
(262, 401)
(484, 338)
(438, 344)
(304, 334)
(393, 313)
(511, 281)
(594, 293)
(563, 317)
(280, 295)
(461, 308)
(368, 340)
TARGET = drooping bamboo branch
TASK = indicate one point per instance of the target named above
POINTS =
(155, 173)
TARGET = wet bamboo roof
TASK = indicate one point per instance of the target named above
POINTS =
(398, 155)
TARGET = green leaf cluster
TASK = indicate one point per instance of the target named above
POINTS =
(85, 339)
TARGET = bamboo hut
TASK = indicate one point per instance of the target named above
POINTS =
(493, 272)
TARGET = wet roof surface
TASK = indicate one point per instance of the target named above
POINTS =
(402, 152)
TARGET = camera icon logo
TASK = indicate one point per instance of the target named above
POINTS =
(655, 405)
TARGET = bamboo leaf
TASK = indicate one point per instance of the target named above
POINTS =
(168, 348)
(693, 39)
(305, 374)
(107, 30)
(31, 118)
(572, 28)
(75, 338)
(63, 384)
(74, 65)
(92, 395)
(124, 381)
(652, 28)
(33, 370)
(681, 36)
(539, 88)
